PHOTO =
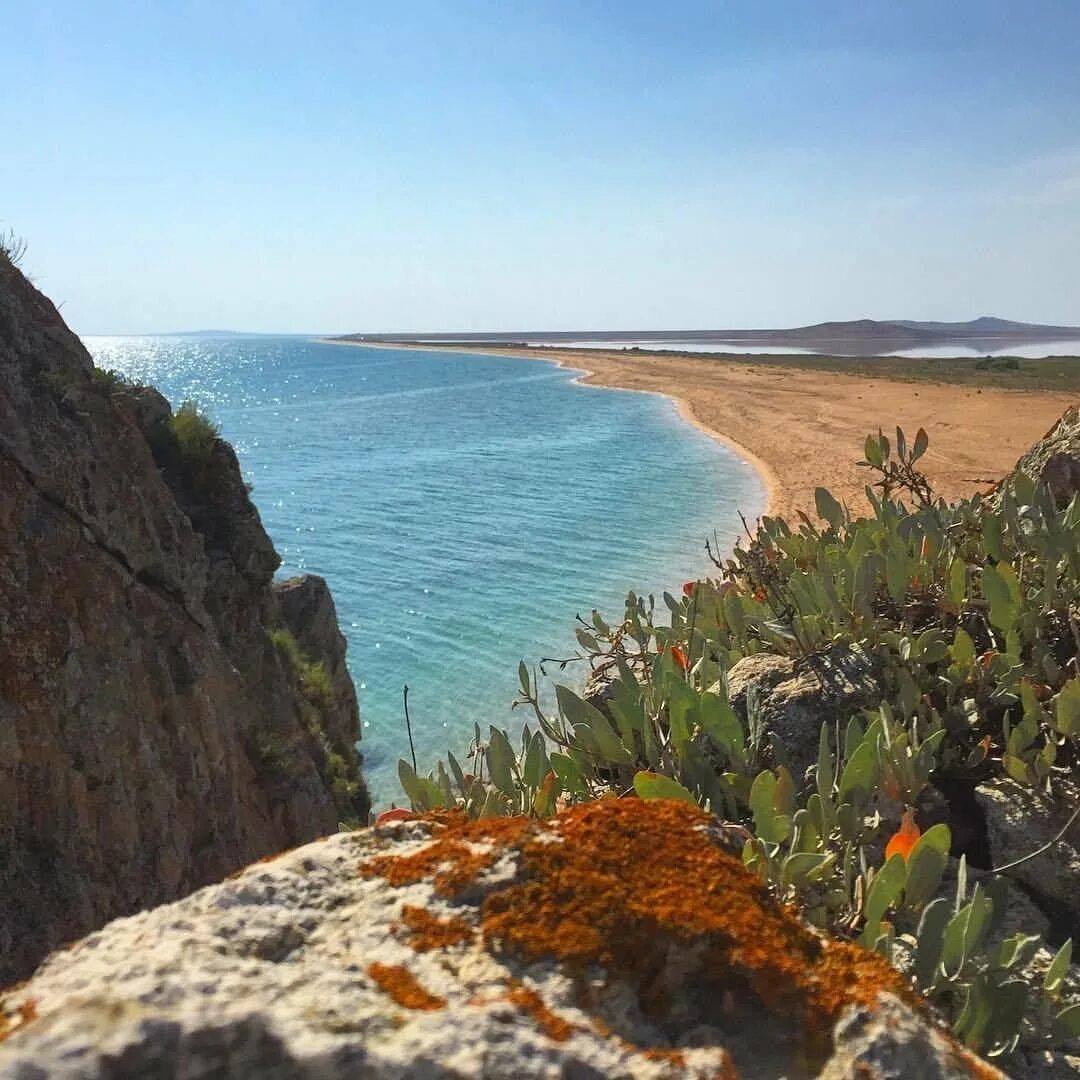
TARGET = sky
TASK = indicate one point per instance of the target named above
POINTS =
(589, 164)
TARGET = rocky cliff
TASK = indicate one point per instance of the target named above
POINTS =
(167, 714)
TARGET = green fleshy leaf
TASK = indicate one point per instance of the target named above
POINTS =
(926, 865)
(650, 785)
(1058, 969)
(828, 508)
(883, 893)
(570, 776)
(1067, 1024)
(930, 937)
(1001, 587)
(1067, 709)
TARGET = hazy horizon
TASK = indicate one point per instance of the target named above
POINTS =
(558, 167)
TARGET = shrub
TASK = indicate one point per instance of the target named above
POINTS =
(273, 754)
(969, 612)
(312, 675)
(12, 247)
(196, 436)
(110, 381)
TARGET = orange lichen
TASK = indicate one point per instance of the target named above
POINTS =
(550, 1023)
(404, 988)
(25, 1012)
(624, 878)
(671, 1057)
(460, 851)
(427, 931)
(630, 875)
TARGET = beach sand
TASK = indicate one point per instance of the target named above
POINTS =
(804, 429)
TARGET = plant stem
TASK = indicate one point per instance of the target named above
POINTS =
(408, 726)
(1046, 847)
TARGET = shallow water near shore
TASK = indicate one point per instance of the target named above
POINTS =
(463, 508)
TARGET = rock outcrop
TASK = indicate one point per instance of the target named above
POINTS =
(794, 698)
(618, 939)
(152, 737)
(1055, 459)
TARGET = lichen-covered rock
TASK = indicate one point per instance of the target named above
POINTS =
(151, 738)
(618, 939)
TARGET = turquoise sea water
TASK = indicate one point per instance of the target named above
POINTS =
(463, 508)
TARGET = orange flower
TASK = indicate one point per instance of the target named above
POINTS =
(759, 596)
(987, 659)
(905, 838)
(688, 588)
(678, 656)
(398, 813)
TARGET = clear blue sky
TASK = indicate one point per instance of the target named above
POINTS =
(335, 166)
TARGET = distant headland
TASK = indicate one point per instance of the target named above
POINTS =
(852, 337)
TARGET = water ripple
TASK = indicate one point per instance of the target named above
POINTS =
(464, 508)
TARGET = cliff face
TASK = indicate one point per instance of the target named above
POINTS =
(153, 737)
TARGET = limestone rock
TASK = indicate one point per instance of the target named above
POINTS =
(1019, 821)
(1055, 459)
(615, 940)
(141, 700)
(795, 698)
(890, 1041)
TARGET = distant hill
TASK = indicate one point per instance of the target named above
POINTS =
(855, 335)
(987, 324)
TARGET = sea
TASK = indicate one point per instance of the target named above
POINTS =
(464, 508)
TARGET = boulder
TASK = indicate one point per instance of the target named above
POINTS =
(1019, 821)
(794, 698)
(1055, 459)
(617, 939)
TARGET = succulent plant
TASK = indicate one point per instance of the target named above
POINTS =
(970, 613)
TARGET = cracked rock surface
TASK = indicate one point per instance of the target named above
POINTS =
(430, 948)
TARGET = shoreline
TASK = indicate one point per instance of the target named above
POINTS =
(591, 380)
(800, 428)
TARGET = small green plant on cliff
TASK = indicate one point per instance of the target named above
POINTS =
(196, 437)
(968, 615)
(12, 247)
(313, 677)
(111, 381)
(318, 693)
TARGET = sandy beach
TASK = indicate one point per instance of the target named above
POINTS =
(803, 429)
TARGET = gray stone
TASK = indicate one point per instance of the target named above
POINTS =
(1019, 821)
(891, 1043)
(795, 698)
(1055, 459)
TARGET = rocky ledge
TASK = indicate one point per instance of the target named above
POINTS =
(160, 723)
(618, 939)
